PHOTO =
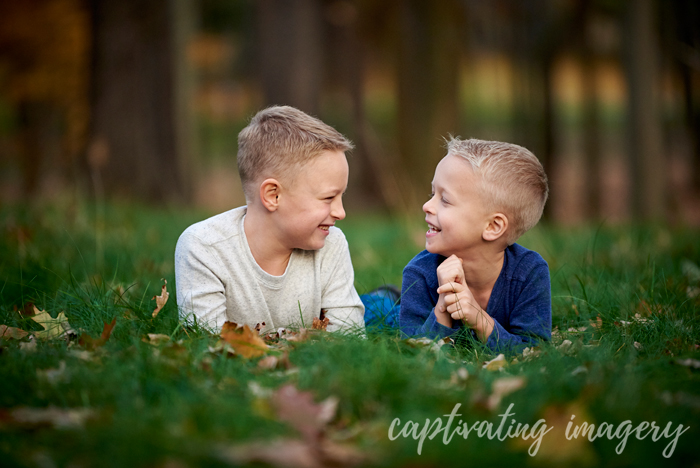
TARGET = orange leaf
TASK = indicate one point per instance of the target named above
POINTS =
(243, 340)
(92, 343)
(319, 324)
(12, 332)
(162, 299)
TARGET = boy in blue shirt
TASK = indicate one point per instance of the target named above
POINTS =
(473, 275)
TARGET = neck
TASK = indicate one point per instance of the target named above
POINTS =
(268, 251)
(481, 270)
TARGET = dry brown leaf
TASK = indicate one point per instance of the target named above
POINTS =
(162, 299)
(53, 327)
(597, 324)
(12, 333)
(275, 362)
(92, 343)
(502, 387)
(319, 324)
(243, 340)
(299, 410)
(301, 335)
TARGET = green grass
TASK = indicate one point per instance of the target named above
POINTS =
(181, 404)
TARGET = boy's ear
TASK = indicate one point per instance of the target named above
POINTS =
(270, 194)
(496, 228)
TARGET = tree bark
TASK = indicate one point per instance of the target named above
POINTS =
(428, 70)
(290, 41)
(141, 144)
(647, 165)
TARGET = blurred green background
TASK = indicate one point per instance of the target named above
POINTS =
(143, 100)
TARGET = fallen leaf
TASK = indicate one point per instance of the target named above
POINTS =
(92, 343)
(565, 346)
(319, 324)
(53, 375)
(59, 418)
(162, 299)
(156, 338)
(28, 346)
(53, 327)
(293, 453)
(693, 363)
(290, 335)
(243, 340)
(299, 410)
(598, 323)
(275, 362)
(459, 376)
(12, 333)
(555, 447)
(502, 387)
(529, 353)
(496, 364)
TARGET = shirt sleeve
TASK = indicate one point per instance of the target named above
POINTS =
(200, 291)
(340, 301)
(531, 316)
(417, 314)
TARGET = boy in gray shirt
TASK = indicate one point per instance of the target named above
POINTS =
(279, 259)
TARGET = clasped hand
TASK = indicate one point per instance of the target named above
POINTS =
(455, 300)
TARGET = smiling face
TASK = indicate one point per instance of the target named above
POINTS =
(456, 213)
(311, 203)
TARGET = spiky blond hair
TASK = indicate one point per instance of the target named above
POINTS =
(513, 180)
(278, 141)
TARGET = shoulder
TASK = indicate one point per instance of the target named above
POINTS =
(424, 262)
(216, 229)
(522, 262)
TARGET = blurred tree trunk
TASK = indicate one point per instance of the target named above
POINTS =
(428, 69)
(684, 36)
(647, 165)
(141, 141)
(537, 36)
(584, 41)
(591, 137)
(291, 52)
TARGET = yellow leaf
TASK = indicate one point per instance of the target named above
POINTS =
(162, 299)
(496, 364)
(53, 327)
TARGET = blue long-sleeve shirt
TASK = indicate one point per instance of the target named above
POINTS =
(520, 302)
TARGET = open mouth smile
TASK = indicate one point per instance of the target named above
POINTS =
(432, 230)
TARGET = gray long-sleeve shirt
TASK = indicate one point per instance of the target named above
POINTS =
(218, 280)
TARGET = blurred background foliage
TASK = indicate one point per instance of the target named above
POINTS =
(143, 99)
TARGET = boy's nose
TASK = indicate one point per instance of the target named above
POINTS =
(426, 206)
(337, 210)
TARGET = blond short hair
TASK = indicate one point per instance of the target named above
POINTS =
(279, 140)
(513, 180)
